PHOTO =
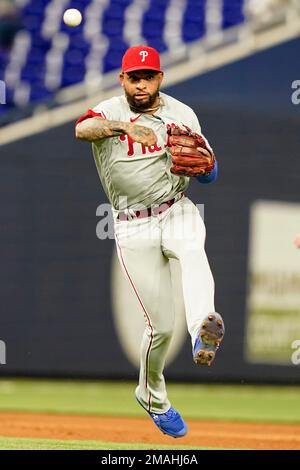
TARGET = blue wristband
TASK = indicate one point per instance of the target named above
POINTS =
(204, 179)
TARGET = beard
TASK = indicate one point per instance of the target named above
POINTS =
(140, 106)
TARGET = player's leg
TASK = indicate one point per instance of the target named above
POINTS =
(184, 238)
(148, 272)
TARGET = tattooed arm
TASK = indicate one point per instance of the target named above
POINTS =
(96, 128)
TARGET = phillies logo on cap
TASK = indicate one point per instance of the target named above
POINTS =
(141, 58)
(144, 54)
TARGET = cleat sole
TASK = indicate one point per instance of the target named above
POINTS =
(211, 334)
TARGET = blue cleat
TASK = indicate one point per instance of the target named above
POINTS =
(210, 335)
(170, 423)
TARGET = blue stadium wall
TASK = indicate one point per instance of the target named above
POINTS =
(56, 313)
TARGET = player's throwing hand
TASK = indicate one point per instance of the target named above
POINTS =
(142, 134)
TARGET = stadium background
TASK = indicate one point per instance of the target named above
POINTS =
(58, 312)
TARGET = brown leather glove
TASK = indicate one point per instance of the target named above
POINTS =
(187, 160)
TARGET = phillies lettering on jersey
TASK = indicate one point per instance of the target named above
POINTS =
(130, 171)
(131, 143)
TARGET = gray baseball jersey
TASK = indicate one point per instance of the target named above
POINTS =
(134, 176)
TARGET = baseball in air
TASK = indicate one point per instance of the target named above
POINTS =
(72, 17)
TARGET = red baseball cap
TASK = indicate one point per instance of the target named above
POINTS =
(141, 58)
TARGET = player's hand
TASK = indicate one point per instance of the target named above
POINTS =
(142, 134)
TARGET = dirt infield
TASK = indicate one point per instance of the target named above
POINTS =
(141, 430)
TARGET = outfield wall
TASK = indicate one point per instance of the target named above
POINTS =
(57, 314)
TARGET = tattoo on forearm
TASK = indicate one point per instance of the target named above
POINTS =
(97, 129)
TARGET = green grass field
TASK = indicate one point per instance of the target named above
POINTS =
(51, 444)
(238, 402)
(216, 402)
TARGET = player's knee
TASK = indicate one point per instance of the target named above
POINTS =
(163, 334)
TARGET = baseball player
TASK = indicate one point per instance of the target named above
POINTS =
(146, 146)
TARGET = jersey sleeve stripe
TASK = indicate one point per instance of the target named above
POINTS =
(90, 114)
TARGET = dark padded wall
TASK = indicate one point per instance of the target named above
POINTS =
(54, 272)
